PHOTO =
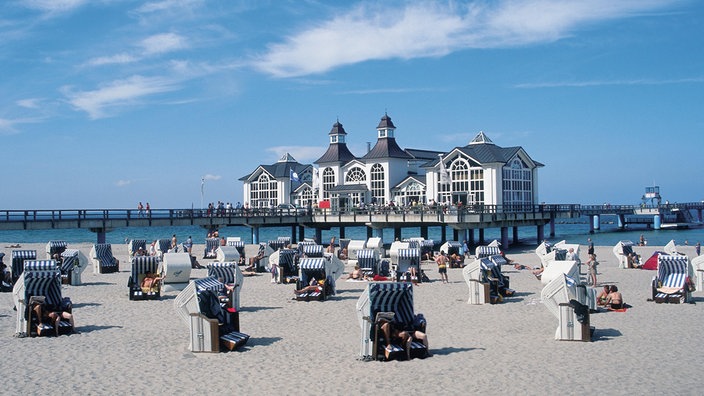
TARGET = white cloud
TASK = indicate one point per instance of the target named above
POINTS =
(123, 183)
(122, 58)
(208, 176)
(597, 83)
(167, 5)
(162, 43)
(29, 103)
(302, 154)
(117, 93)
(435, 29)
(54, 6)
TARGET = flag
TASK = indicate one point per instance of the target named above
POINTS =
(315, 179)
(202, 185)
(294, 176)
(444, 175)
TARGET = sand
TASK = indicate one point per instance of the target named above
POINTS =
(141, 347)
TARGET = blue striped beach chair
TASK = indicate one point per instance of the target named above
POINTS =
(277, 244)
(239, 245)
(69, 260)
(670, 284)
(225, 322)
(18, 258)
(408, 259)
(228, 273)
(42, 278)
(312, 250)
(499, 283)
(368, 261)
(163, 246)
(288, 267)
(486, 251)
(55, 248)
(103, 260)
(382, 301)
(141, 266)
(314, 268)
(211, 247)
(134, 245)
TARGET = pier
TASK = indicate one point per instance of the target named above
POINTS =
(465, 222)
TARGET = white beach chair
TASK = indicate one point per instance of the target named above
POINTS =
(176, 271)
(560, 298)
(228, 273)
(74, 262)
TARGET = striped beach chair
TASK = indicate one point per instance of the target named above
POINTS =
(55, 248)
(239, 245)
(288, 267)
(312, 250)
(368, 261)
(669, 286)
(163, 246)
(18, 258)
(408, 259)
(277, 244)
(39, 278)
(384, 300)
(493, 275)
(228, 273)
(69, 260)
(103, 260)
(314, 268)
(211, 247)
(225, 324)
(486, 251)
(141, 266)
(134, 245)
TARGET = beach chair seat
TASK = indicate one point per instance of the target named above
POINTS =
(103, 260)
(670, 284)
(368, 261)
(233, 340)
(228, 273)
(69, 260)
(314, 268)
(18, 258)
(41, 279)
(55, 248)
(211, 247)
(287, 266)
(141, 266)
(135, 245)
(407, 259)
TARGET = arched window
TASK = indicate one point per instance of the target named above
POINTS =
(305, 197)
(328, 182)
(355, 175)
(517, 185)
(264, 192)
(378, 184)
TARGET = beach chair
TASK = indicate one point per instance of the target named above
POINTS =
(557, 268)
(103, 260)
(382, 301)
(18, 258)
(239, 245)
(621, 250)
(309, 269)
(141, 266)
(211, 247)
(73, 263)
(227, 254)
(228, 273)
(134, 245)
(481, 290)
(213, 326)
(561, 299)
(353, 247)
(698, 268)
(671, 248)
(276, 244)
(408, 259)
(311, 250)
(41, 278)
(670, 285)
(452, 247)
(55, 248)
(486, 251)
(287, 265)
(163, 246)
(368, 261)
(175, 271)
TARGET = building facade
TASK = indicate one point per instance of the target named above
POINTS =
(480, 173)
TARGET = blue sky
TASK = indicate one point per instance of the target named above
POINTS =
(108, 102)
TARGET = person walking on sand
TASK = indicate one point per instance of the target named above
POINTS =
(698, 248)
(442, 261)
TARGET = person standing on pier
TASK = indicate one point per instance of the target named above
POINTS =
(140, 209)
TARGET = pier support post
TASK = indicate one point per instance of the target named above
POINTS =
(621, 221)
(504, 237)
(443, 233)
(515, 235)
(301, 233)
(552, 227)
(657, 222)
(540, 237)
(481, 236)
(369, 232)
(342, 232)
(424, 232)
(456, 235)
(596, 222)
(293, 234)
(255, 235)
(470, 237)
(100, 234)
(319, 235)
(699, 215)
(397, 233)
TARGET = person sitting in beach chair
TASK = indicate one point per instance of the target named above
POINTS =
(53, 315)
(396, 332)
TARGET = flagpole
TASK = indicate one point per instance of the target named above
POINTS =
(202, 186)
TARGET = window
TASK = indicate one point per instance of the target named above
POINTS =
(378, 184)
(517, 186)
(263, 192)
(414, 191)
(466, 183)
(356, 175)
(305, 197)
(328, 182)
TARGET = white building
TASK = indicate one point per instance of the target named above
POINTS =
(480, 173)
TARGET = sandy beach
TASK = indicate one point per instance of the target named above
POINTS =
(141, 347)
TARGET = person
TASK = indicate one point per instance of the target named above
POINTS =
(140, 209)
(465, 249)
(395, 330)
(149, 210)
(188, 245)
(642, 241)
(590, 246)
(698, 248)
(331, 246)
(571, 255)
(356, 273)
(5, 274)
(614, 299)
(442, 263)
(150, 282)
(223, 242)
(152, 248)
(592, 265)
(603, 296)
(254, 261)
(342, 254)
(174, 243)
(52, 314)
(314, 285)
(456, 261)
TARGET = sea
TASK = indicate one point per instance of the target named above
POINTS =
(573, 231)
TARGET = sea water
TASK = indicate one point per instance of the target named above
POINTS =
(574, 231)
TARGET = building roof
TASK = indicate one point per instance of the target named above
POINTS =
(337, 152)
(484, 151)
(386, 148)
(281, 169)
(337, 129)
(386, 123)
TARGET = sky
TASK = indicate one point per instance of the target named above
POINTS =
(105, 103)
